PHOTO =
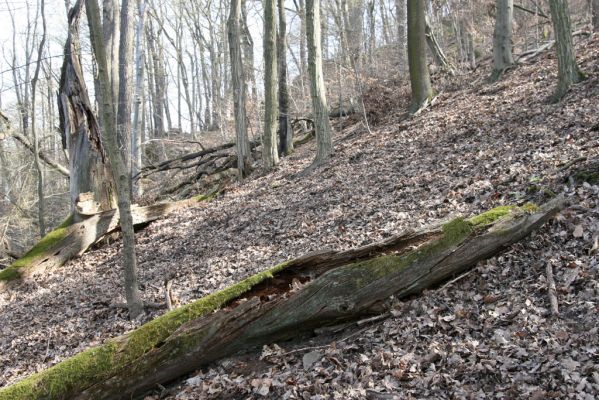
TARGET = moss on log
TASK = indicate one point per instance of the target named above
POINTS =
(341, 286)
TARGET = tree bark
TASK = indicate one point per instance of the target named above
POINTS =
(239, 89)
(402, 34)
(337, 287)
(322, 125)
(285, 130)
(121, 175)
(420, 79)
(436, 51)
(34, 136)
(88, 164)
(568, 71)
(502, 38)
(123, 115)
(595, 14)
(270, 156)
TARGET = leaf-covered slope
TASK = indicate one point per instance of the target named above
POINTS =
(479, 147)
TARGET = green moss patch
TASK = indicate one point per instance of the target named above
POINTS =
(84, 369)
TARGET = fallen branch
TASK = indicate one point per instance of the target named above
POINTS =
(338, 287)
(551, 290)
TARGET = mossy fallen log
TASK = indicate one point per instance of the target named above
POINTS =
(70, 239)
(337, 286)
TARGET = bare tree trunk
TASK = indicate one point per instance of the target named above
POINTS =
(123, 116)
(110, 31)
(502, 38)
(402, 34)
(595, 14)
(120, 173)
(239, 89)
(285, 131)
(136, 140)
(420, 79)
(270, 156)
(568, 71)
(322, 125)
(371, 31)
(34, 135)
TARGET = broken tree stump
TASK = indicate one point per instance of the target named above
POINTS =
(75, 235)
(337, 287)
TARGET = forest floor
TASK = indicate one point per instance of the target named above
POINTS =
(488, 334)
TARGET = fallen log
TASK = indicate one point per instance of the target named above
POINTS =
(337, 287)
(72, 239)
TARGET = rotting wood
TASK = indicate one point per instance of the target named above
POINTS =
(337, 287)
(72, 239)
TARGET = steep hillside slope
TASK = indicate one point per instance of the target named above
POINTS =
(479, 146)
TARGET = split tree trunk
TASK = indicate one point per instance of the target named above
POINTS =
(338, 286)
(436, 50)
(71, 240)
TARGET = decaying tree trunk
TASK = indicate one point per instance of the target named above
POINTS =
(436, 50)
(337, 287)
(88, 164)
(71, 240)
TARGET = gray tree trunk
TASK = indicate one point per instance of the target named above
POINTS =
(285, 131)
(322, 125)
(568, 71)
(436, 50)
(420, 79)
(402, 34)
(88, 165)
(123, 116)
(239, 89)
(270, 156)
(595, 14)
(110, 32)
(34, 136)
(136, 134)
(502, 38)
(120, 173)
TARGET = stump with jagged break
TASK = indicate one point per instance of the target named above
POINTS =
(336, 286)
(76, 234)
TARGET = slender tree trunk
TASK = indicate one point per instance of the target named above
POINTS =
(120, 173)
(502, 38)
(110, 31)
(420, 79)
(371, 31)
(136, 141)
(239, 89)
(320, 111)
(285, 132)
(402, 34)
(123, 117)
(270, 156)
(595, 14)
(34, 135)
(568, 71)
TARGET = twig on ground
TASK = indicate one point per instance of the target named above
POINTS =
(551, 290)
